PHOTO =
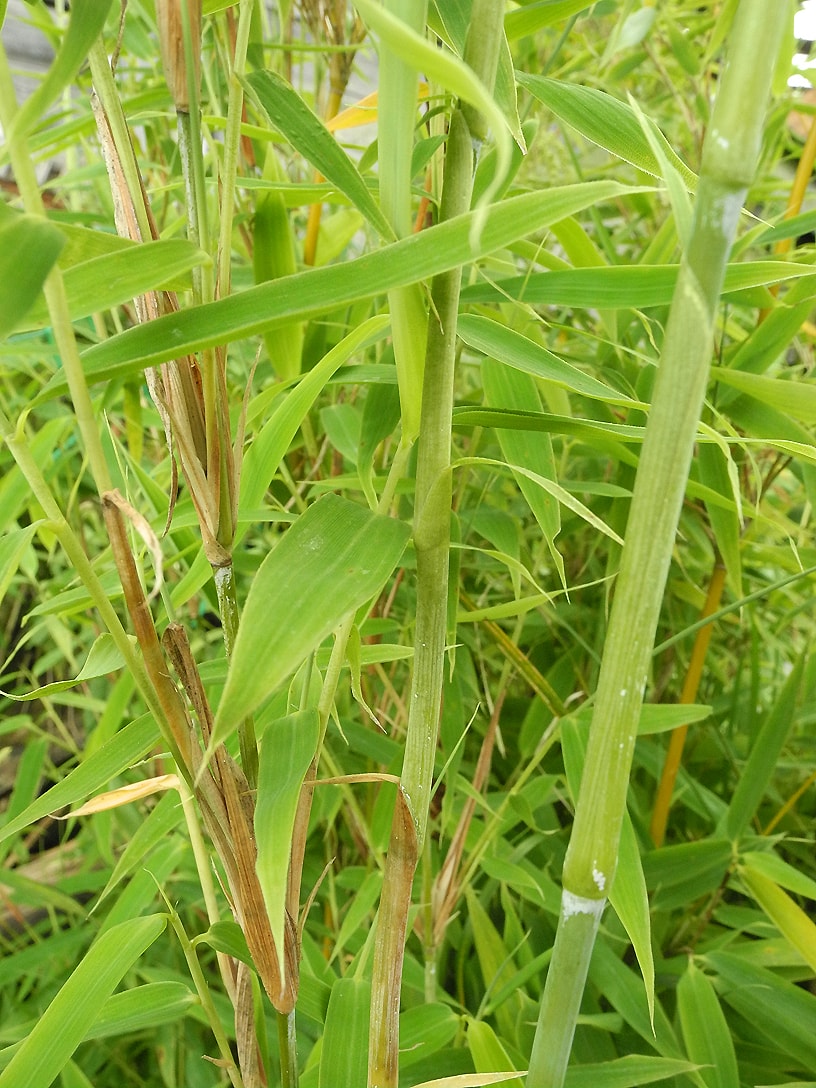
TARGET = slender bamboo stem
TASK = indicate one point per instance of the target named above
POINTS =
(729, 159)
(432, 544)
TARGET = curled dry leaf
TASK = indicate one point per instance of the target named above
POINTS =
(124, 795)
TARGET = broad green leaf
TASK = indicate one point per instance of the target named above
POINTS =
(622, 286)
(605, 121)
(487, 1051)
(103, 658)
(782, 1013)
(316, 291)
(128, 746)
(495, 961)
(227, 937)
(682, 873)
(772, 867)
(656, 717)
(786, 915)
(792, 397)
(263, 457)
(761, 763)
(287, 748)
(344, 1052)
(532, 17)
(626, 1072)
(517, 351)
(116, 278)
(75, 1009)
(87, 18)
(342, 554)
(143, 1008)
(22, 280)
(307, 134)
(705, 1029)
(424, 1030)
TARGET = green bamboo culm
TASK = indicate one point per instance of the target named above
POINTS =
(432, 512)
(730, 155)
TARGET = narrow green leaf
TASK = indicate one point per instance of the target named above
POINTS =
(792, 397)
(143, 1008)
(761, 763)
(627, 1072)
(725, 521)
(343, 555)
(605, 121)
(269, 446)
(87, 18)
(550, 486)
(705, 1029)
(160, 823)
(656, 717)
(290, 115)
(22, 280)
(317, 291)
(782, 1013)
(622, 286)
(75, 1009)
(128, 746)
(487, 1051)
(538, 14)
(13, 546)
(630, 899)
(288, 746)
(787, 916)
(103, 658)
(771, 866)
(497, 341)
(515, 390)
(116, 278)
(344, 1052)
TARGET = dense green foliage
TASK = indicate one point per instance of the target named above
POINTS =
(289, 494)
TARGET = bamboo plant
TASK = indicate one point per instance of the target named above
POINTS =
(730, 155)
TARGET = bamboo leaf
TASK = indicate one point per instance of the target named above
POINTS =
(794, 398)
(22, 280)
(487, 1051)
(705, 1029)
(772, 867)
(103, 658)
(343, 555)
(87, 18)
(344, 1051)
(143, 1008)
(128, 746)
(607, 122)
(307, 294)
(287, 748)
(787, 916)
(783, 1014)
(112, 279)
(75, 1009)
(627, 1072)
(498, 342)
(290, 115)
(761, 763)
(530, 18)
(160, 823)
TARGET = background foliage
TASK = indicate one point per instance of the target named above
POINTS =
(561, 325)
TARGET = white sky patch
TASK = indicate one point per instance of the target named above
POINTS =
(804, 27)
